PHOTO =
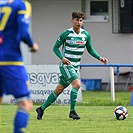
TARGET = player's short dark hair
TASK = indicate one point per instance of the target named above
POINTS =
(78, 15)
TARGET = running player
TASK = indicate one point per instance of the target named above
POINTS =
(73, 42)
(14, 23)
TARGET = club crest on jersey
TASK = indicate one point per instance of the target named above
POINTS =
(83, 39)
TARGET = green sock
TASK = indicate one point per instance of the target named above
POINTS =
(51, 98)
(73, 97)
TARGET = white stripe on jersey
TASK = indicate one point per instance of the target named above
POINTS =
(77, 35)
(73, 56)
(74, 49)
(75, 63)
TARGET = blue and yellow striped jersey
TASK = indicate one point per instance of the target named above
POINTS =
(14, 24)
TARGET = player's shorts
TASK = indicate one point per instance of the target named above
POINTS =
(14, 81)
(68, 74)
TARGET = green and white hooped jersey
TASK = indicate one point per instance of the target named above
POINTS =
(74, 45)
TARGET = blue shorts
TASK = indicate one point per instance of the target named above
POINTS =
(14, 81)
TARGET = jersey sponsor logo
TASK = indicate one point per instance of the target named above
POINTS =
(80, 42)
(72, 42)
(75, 42)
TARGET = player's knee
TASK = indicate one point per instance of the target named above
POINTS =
(30, 105)
(77, 86)
(27, 105)
(58, 91)
(76, 83)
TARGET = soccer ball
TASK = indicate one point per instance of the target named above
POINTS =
(120, 113)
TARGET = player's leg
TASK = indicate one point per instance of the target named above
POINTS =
(73, 78)
(73, 97)
(2, 91)
(51, 98)
(70, 76)
(24, 103)
(22, 116)
(16, 81)
(1, 94)
(0, 100)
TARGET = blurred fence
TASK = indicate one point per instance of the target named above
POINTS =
(111, 66)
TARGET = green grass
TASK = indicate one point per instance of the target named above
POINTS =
(96, 113)
(103, 98)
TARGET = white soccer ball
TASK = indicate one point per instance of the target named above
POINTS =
(120, 113)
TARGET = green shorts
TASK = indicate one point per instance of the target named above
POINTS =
(68, 74)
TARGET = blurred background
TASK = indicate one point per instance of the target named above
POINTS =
(109, 23)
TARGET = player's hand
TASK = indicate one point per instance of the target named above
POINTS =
(34, 48)
(66, 61)
(103, 60)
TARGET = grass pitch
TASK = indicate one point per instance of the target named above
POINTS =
(96, 113)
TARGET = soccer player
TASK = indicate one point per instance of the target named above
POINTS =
(14, 23)
(73, 42)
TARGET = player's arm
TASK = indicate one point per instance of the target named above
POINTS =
(61, 39)
(92, 52)
(24, 14)
(57, 45)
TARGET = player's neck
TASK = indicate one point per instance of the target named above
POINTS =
(76, 30)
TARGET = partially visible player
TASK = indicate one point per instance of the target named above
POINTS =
(73, 42)
(14, 24)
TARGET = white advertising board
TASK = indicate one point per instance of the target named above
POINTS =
(43, 80)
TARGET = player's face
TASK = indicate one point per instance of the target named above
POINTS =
(77, 22)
